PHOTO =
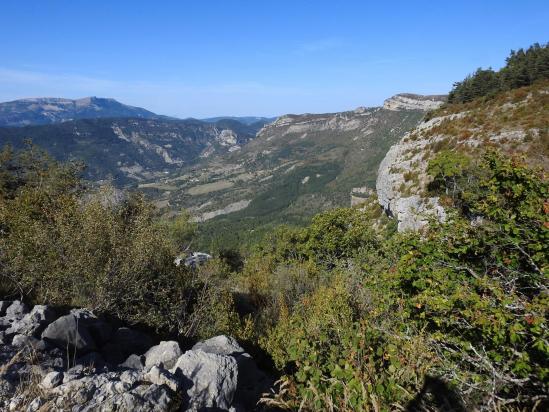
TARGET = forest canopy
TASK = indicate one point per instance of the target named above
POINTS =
(522, 68)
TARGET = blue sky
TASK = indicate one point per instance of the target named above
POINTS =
(206, 58)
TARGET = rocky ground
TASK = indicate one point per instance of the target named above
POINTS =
(81, 362)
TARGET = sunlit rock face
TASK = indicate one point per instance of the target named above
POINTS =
(408, 101)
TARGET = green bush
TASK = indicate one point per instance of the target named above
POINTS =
(353, 315)
(465, 303)
(64, 244)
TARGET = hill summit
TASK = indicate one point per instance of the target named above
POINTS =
(410, 101)
(49, 110)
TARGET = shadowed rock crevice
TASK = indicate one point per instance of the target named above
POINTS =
(76, 362)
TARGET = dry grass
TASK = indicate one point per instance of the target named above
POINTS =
(210, 187)
(28, 388)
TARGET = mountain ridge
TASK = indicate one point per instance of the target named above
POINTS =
(51, 110)
(130, 150)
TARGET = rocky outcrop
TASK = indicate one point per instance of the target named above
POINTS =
(71, 364)
(165, 353)
(359, 120)
(214, 379)
(402, 179)
(408, 101)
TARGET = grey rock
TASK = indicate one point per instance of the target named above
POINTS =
(16, 403)
(113, 388)
(51, 380)
(158, 397)
(252, 382)
(214, 379)
(17, 309)
(24, 341)
(405, 200)
(70, 331)
(84, 394)
(130, 377)
(165, 353)
(408, 101)
(414, 212)
(33, 323)
(35, 405)
(143, 398)
(72, 375)
(161, 376)
(100, 330)
(122, 387)
(134, 362)
(220, 345)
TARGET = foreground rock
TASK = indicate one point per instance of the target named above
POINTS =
(66, 363)
(211, 379)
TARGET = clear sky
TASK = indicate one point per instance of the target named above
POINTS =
(265, 58)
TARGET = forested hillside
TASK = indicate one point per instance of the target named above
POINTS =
(131, 150)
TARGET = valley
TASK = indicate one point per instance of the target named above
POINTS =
(130, 151)
(297, 166)
(237, 177)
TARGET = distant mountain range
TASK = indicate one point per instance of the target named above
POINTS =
(133, 149)
(49, 110)
(242, 119)
(237, 174)
(120, 142)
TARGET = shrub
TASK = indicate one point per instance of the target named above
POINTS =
(464, 304)
(63, 244)
(447, 169)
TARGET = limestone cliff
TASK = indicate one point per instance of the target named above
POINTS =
(409, 101)
(515, 122)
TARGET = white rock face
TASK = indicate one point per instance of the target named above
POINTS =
(407, 101)
(359, 120)
(136, 139)
(166, 352)
(227, 137)
(402, 176)
(214, 379)
(411, 210)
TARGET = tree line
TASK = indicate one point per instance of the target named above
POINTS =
(522, 68)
